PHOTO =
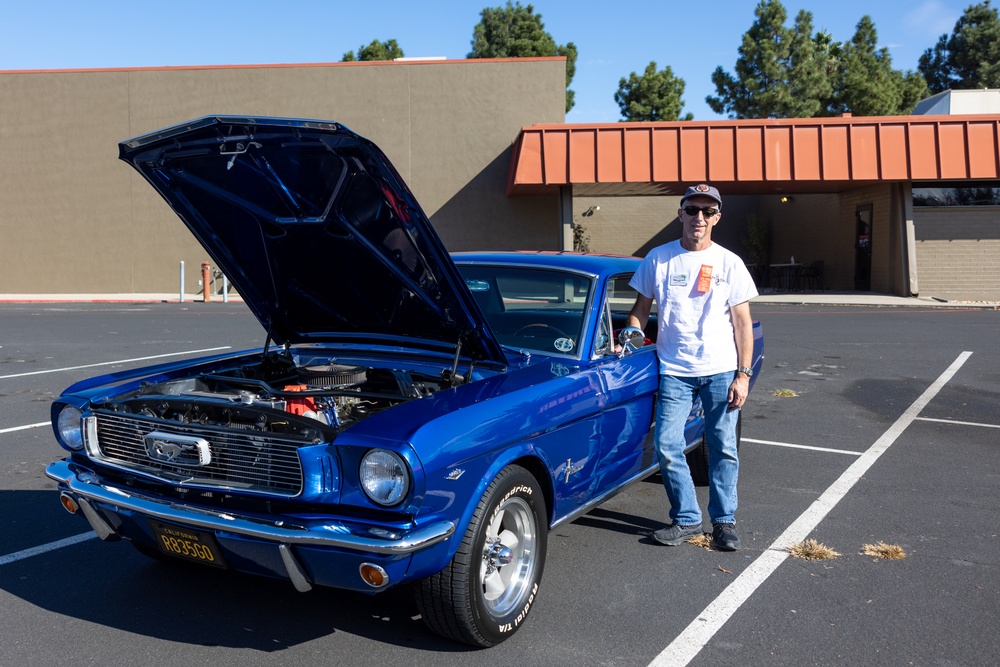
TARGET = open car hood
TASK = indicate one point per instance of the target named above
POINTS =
(315, 228)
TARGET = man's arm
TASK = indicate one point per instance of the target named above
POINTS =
(639, 315)
(743, 333)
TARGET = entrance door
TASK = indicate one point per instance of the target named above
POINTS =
(863, 248)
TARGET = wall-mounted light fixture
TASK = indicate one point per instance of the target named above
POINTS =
(785, 199)
(591, 211)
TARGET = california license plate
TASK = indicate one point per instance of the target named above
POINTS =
(187, 543)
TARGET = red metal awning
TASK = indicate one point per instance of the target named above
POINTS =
(753, 156)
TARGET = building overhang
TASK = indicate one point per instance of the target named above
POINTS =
(788, 155)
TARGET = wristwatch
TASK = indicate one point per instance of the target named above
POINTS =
(746, 371)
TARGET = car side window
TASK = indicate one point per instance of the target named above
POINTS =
(619, 297)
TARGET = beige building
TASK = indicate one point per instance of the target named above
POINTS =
(76, 219)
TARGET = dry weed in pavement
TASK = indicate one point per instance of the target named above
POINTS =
(784, 393)
(812, 550)
(704, 541)
(884, 551)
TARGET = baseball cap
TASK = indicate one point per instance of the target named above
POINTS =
(702, 190)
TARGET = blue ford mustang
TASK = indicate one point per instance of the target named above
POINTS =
(413, 416)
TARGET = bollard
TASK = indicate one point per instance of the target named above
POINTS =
(182, 281)
(206, 282)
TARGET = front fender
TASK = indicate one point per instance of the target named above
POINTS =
(435, 558)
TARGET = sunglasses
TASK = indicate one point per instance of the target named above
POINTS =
(707, 211)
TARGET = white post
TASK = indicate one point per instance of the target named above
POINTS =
(182, 281)
(225, 289)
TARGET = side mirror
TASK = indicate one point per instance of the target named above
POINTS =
(631, 338)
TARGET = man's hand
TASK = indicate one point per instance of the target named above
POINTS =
(738, 391)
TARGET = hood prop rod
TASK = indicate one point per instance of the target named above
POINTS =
(267, 343)
(451, 376)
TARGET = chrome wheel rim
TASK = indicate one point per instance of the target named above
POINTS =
(508, 556)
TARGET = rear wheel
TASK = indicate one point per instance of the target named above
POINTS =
(486, 592)
(697, 458)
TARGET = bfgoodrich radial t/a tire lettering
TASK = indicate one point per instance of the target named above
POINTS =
(488, 589)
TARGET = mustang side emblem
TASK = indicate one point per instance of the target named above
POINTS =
(178, 450)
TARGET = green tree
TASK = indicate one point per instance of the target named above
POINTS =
(651, 96)
(792, 73)
(811, 65)
(375, 51)
(968, 58)
(866, 84)
(934, 66)
(779, 73)
(760, 68)
(516, 31)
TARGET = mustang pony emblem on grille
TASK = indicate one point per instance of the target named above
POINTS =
(179, 450)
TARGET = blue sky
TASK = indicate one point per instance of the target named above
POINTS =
(613, 39)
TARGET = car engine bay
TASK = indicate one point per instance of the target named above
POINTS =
(276, 395)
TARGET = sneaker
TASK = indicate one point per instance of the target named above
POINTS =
(675, 534)
(725, 537)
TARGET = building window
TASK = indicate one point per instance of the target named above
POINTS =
(967, 194)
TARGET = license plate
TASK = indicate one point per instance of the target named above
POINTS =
(187, 543)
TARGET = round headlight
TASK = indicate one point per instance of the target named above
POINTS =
(69, 427)
(384, 477)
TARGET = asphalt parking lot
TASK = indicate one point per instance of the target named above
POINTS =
(867, 424)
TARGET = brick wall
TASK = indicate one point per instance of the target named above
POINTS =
(958, 252)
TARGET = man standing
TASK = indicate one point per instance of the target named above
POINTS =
(705, 346)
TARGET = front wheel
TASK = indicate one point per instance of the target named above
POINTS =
(486, 592)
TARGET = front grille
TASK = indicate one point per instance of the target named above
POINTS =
(246, 460)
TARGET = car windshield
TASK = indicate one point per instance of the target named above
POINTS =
(529, 308)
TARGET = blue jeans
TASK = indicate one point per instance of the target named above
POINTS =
(673, 406)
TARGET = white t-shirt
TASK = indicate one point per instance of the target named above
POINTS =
(694, 292)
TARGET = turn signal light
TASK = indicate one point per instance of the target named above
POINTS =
(374, 575)
(68, 503)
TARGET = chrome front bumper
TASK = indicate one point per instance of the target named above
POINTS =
(86, 485)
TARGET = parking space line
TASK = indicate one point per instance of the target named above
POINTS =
(112, 363)
(51, 546)
(809, 447)
(688, 644)
(952, 421)
(22, 428)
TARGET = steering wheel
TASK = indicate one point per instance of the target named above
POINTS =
(559, 333)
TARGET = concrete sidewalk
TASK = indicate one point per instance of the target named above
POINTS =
(114, 298)
(868, 299)
(802, 298)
